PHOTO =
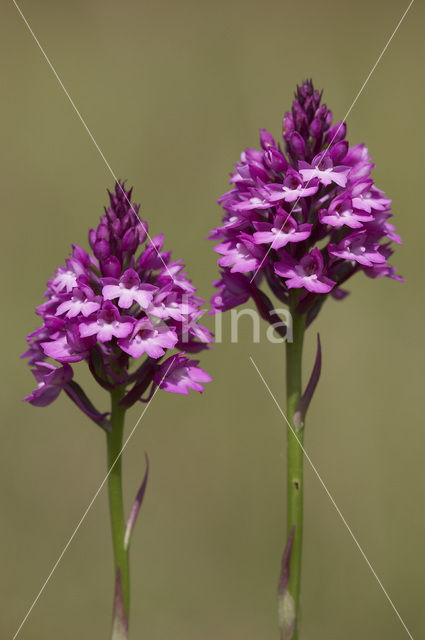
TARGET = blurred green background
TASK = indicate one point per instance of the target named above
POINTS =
(172, 92)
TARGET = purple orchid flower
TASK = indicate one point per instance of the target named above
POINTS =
(149, 339)
(128, 290)
(178, 374)
(292, 188)
(366, 197)
(242, 255)
(308, 273)
(51, 380)
(341, 212)
(108, 324)
(233, 289)
(323, 169)
(283, 230)
(358, 247)
(68, 345)
(82, 301)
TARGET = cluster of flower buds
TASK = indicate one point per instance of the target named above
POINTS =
(126, 300)
(305, 217)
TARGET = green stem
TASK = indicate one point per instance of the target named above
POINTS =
(116, 507)
(295, 484)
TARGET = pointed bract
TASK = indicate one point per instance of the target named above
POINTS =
(304, 403)
(136, 506)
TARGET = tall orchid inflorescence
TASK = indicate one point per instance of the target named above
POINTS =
(303, 217)
(131, 313)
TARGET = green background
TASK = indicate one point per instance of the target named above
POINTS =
(172, 92)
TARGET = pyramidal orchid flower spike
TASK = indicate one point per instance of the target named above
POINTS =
(303, 216)
(131, 313)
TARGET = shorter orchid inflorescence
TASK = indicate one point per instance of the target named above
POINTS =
(113, 307)
(131, 313)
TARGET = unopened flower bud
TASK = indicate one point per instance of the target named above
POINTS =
(339, 151)
(266, 139)
(117, 227)
(111, 267)
(101, 249)
(92, 237)
(336, 133)
(142, 230)
(288, 124)
(102, 232)
(316, 128)
(130, 240)
(297, 145)
(275, 160)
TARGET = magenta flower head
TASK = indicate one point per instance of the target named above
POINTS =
(125, 301)
(303, 215)
(131, 313)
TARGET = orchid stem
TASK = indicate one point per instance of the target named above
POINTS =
(116, 507)
(295, 484)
